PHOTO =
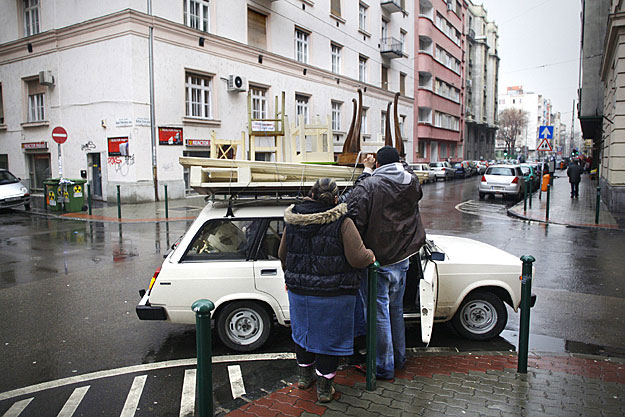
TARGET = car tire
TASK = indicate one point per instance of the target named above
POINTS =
(482, 195)
(244, 325)
(27, 206)
(482, 315)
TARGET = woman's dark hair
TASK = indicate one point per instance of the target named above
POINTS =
(324, 190)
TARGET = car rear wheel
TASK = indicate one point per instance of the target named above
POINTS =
(481, 316)
(244, 325)
(482, 195)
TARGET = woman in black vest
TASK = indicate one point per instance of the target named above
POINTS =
(323, 258)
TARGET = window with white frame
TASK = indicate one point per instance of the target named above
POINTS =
(256, 29)
(423, 149)
(198, 96)
(259, 102)
(31, 17)
(446, 121)
(335, 7)
(425, 115)
(447, 59)
(362, 69)
(36, 101)
(336, 115)
(402, 83)
(447, 28)
(447, 90)
(402, 123)
(363, 125)
(196, 14)
(383, 123)
(384, 30)
(402, 39)
(362, 16)
(301, 108)
(336, 58)
(301, 46)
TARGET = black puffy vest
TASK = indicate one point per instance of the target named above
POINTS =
(315, 261)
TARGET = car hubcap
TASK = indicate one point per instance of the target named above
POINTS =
(479, 317)
(244, 326)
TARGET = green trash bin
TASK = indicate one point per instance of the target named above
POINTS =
(74, 194)
(52, 195)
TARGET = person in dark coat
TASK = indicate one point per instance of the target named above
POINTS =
(574, 173)
(323, 257)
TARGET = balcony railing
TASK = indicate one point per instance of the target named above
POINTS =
(392, 6)
(391, 47)
(471, 34)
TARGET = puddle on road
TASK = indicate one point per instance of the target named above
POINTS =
(541, 343)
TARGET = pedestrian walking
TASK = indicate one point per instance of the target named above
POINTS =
(385, 209)
(323, 257)
(574, 173)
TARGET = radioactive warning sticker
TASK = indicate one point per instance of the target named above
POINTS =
(77, 191)
(52, 198)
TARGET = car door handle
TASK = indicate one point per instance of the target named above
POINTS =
(268, 272)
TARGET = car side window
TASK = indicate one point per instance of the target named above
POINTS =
(271, 240)
(223, 239)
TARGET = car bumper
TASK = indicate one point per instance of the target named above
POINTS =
(145, 311)
(14, 201)
(486, 188)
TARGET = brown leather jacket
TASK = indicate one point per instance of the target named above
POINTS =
(385, 209)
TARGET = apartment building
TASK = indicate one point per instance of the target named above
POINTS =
(439, 72)
(482, 73)
(138, 83)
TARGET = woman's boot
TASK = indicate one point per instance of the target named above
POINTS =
(325, 389)
(305, 376)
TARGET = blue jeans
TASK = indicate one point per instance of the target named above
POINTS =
(390, 330)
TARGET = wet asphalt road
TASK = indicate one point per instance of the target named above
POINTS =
(68, 289)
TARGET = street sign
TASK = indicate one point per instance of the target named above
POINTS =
(545, 146)
(545, 132)
(59, 135)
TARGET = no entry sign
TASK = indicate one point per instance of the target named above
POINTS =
(59, 135)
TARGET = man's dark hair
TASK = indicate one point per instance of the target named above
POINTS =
(387, 155)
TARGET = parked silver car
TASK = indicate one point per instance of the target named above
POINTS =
(442, 170)
(12, 192)
(504, 180)
(424, 172)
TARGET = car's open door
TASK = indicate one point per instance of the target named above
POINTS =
(428, 296)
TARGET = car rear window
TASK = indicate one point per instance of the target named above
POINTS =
(505, 171)
(458, 165)
(223, 239)
(436, 164)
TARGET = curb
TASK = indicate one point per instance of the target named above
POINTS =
(512, 213)
(105, 219)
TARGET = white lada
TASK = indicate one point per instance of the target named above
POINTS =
(230, 256)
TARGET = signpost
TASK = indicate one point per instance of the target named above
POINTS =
(59, 135)
(545, 133)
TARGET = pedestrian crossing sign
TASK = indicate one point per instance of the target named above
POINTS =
(545, 146)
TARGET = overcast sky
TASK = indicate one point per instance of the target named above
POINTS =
(539, 48)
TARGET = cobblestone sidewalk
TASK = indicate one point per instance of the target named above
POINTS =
(466, 385)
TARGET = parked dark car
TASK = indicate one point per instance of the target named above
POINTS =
(462, 169)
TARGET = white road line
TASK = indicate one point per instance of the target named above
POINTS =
(132, 401)
(236, 381)
(17, 408)
(140, 368)
(73, 402)
(187, 401)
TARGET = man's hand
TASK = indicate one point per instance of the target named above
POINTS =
(369, 161)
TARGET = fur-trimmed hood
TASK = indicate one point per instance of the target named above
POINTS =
(322, 217)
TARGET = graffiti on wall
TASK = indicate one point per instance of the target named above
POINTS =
(121, 164)
(87, 146)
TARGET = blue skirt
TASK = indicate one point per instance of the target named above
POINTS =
(323, 324)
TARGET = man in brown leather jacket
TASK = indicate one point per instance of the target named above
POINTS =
(385, 209)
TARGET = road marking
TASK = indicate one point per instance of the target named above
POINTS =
(140, 368)
(73, 402)
(236, 381)
(187, 401)
(132, 401)
(17, 408)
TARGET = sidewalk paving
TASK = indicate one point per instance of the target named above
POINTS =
(569, 211)
(465, 385)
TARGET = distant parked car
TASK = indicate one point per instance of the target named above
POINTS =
(481, 167)
(442, 170)
(424, 172)
(12, 192)
(530, 174)
(462, 169)
(504, 180)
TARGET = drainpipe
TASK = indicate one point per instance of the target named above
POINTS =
(152, 116)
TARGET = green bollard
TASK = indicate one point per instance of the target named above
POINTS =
(89, 198)
(531, 192)
(548, 195)
(525, 197)
(598, 205)
(204, 376)
(166, 203)
(119, 206)
(372, 310)
(524, 326)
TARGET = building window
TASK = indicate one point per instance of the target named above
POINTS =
(384, 30)
(447, 59)
(31, 17)
(336, 59)
(259, 102)
(335, 7)
(196, 14)
(402, 123)
(336, 115)
(301, 46)
(383, 123)
(425, 115)
(384, 77)
(422, 149)
(1, 107)
(446, 90)
(362, 69)
(402, 39)
(256, 29)
(446, 121)
(36, 101)
(301, 109)
(362, 17)
(198, 96)
(447, 28)
(363, 119)
(402, 83)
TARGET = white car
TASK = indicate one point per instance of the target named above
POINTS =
(424, 172)
(12, 192)
(231, 258)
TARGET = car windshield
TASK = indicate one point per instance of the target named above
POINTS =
(7, 178)
(501, 171)
(458, 165)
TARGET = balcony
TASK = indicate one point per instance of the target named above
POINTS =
(391, 48)
(392, 6)
(471, 34)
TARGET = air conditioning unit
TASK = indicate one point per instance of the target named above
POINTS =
(46, 78)
(236, 83)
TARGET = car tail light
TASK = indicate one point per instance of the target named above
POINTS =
(153, 280)
(483, 178)
(443, 169)
(515, 180)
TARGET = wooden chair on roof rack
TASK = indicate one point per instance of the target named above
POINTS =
(227, 148)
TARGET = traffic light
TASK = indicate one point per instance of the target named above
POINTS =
(505, 153)
(574, 152)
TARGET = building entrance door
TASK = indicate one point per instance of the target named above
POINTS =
(434, 151)
(95, 174)
(39, 170)
(186, 172)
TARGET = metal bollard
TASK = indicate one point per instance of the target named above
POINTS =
(89, 198)
(204, 376)
(119, 206)
(525, 197)
(372, 310)
(524, 326)
(598, 205)
(166, 203)
(548, 195)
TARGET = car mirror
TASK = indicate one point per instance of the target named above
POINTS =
(437, 256)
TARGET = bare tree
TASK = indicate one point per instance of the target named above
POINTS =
(511, 123)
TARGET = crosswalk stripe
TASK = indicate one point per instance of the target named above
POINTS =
(187, 401)
(73, 402)
(17, 408)
(236, 381)
(132, 401)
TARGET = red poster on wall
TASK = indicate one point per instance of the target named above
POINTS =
(118, 146)
(170, 136)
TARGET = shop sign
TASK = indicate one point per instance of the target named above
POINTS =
(34, 145)
(588, 143)
(198, 142)
(170, 136)
(262, 126)
(118, 146)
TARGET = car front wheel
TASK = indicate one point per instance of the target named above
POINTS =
(481, 316)
(244, 325)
